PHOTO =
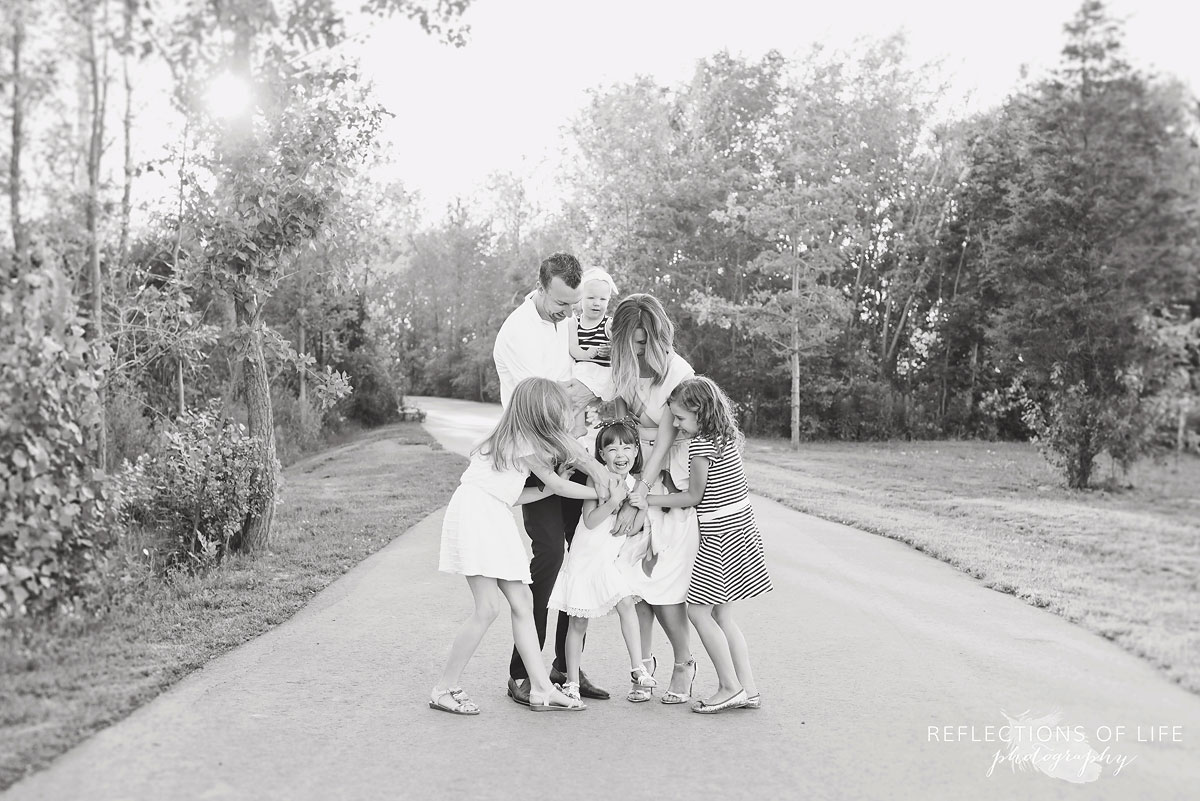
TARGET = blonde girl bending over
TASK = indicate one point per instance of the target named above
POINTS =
(480, 539)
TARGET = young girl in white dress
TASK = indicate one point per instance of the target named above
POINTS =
(480, 539)
(589, 583)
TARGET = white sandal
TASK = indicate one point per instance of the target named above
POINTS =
(672, 697)
(642, 685)
(462, 704)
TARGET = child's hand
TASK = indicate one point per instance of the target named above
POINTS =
(602, 352)
(619, 492)
(640, 490)
(638, 501)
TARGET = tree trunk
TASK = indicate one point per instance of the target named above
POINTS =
(303, 377)
(260, 421)
(127, 190)
(1185, 404)
(179, 385)
(97, 83)
(20, 235)
(970, 396)
(795, 355)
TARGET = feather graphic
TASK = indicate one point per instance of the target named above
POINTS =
(1059, 752)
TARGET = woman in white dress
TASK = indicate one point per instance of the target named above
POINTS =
(645, 370)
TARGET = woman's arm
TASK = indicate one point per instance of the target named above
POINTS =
(664, 438)
(602, 480)
(692, 495)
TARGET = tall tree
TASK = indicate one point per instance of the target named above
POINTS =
(16, 13)
(1095, 234)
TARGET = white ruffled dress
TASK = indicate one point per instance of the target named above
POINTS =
(479, 532)
(590, 584)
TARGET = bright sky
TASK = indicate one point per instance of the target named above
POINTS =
(499, 103)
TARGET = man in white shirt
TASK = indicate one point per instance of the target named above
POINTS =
(534, 342)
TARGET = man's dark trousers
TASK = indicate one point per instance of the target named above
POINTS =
(549, 523)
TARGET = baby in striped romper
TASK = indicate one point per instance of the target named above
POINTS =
(590, 348)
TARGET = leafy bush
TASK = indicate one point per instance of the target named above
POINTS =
(867, 409)
(298, 425)
(52, 511)
(130, 431)
(376, 397)
(196, 490)
(1078, 425)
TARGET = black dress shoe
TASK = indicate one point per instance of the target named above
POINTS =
(586, 688)
(589, 690)
(518, 690)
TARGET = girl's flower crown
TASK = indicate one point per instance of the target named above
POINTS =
(629, 421)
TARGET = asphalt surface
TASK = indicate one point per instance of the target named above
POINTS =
(884, 674)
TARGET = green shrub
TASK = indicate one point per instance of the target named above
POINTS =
(376, 397)
(194, 491)
(1077, 424)
(52, 511)
(130, 429)
(298, 425)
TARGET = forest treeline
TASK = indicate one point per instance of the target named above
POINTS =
(850, 261)
(205, 274)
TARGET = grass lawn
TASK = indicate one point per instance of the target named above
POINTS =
(58, 684)
(1124, 564)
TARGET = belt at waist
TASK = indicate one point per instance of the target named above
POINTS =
(727, 510)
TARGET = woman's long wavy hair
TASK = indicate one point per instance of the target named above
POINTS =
(715, 418)
(647, 313)
(538, 413)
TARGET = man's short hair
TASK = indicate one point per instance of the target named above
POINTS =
(563, 266)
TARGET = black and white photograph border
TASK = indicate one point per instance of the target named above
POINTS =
(836, 367)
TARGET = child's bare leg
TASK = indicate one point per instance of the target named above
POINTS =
(520, 601)
(487, 606)
(576, 628)
(723, 614)
(631, 631)
(718, 651)
(645, 614)
(674, 620)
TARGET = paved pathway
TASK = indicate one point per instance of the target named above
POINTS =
(864, 647)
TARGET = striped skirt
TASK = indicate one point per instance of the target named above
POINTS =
(730, 564)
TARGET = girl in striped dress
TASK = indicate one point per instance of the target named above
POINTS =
(729, 566)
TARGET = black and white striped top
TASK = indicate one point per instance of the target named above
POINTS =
(726, 485)
(594, 338)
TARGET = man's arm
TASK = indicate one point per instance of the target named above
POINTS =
(627, 516)
(513, 363)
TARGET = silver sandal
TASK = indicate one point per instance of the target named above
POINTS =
(672, 697)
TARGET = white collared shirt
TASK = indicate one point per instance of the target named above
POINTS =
(528, 346)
